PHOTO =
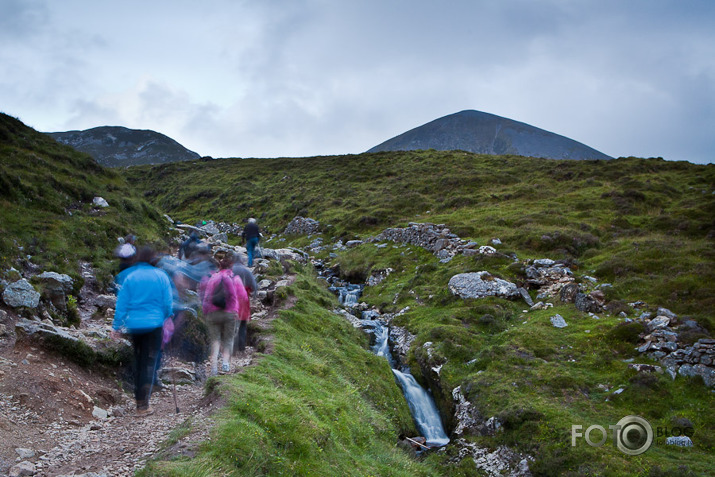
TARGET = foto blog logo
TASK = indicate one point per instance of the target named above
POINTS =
(632, 435)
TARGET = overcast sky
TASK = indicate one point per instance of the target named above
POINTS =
(270, 78)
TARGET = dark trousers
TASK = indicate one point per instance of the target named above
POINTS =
(242, 331)
(147, 348)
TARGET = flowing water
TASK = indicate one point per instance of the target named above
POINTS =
(422, 405)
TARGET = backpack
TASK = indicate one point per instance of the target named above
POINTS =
(220, 294)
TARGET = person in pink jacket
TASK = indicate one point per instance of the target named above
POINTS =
(221, 314)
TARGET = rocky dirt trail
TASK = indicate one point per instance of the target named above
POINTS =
(58, 419)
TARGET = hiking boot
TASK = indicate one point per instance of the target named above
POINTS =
(147, 411)
(225, 367)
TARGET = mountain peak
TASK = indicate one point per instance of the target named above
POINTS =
(486, 133)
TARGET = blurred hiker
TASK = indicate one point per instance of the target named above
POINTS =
(144, 302)
(126, 252)
(189, 245)
(224, 301)
(246, 275)
(249, 283)
(201, 265)
(251, 235)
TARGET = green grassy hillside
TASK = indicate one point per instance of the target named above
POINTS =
(320, 404)
(645, 225)
(46, 212)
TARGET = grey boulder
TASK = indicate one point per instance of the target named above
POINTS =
(480, 285)
(21, 294)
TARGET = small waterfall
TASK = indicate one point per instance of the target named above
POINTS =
(424, 410)
(422, 405)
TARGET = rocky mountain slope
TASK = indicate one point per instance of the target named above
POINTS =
(485, 133)
(115, 146)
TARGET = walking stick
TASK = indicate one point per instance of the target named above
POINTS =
(173, 387)
(173, 380)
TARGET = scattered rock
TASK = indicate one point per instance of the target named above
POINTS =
(302, 226)
(99, 413)
(525, 295)
(646, 368)
(502, 461)
(400, 340)
(480, 285)
(23, 469)
(21, 294)
(666, 312)
(658, 323)
(55, 288)
(100, 202)
(586, 303)
(177, 376)
(558, 321)
(682, 441)
(466, 415)
(377, 276)
(25, 453)
(568, 292)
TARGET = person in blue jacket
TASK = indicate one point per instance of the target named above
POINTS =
(144, 301)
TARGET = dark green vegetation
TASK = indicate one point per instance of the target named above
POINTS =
(46, 212)
(319, 404)
(645, 226)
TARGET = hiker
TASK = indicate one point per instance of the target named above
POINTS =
(249, 283)
(143, 303)
(189, 245)
(251, 235)
(224, 301)
(126, 252)
(247, 277)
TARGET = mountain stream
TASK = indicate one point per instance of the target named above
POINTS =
(420, 401)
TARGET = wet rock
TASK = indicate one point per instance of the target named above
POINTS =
(21, 294)
(401, 340)
(466, 415)
(480, 285)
